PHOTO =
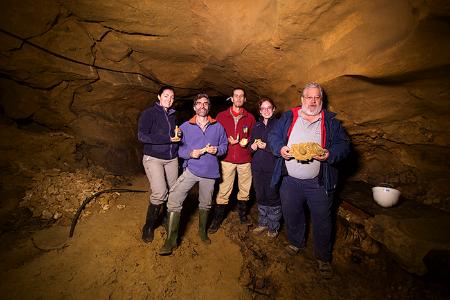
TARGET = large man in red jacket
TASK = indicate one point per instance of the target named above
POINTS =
(238, 124)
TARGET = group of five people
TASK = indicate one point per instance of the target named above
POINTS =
(258, 151)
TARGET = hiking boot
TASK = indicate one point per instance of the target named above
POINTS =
(325, 269)
(292, 250)
(242, 206)
(272, 234)
(219, 214)
(259, 230)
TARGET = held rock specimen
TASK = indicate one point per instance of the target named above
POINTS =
(88, 68)
(306, 151)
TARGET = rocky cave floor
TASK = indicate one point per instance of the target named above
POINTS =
(107, 259)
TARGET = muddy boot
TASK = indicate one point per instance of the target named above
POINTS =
(219, 213)
(202, 220)
(149, 227)
(163, 215)
(242, 206)
(172, 233)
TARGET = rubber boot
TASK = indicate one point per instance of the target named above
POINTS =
(202, 220)
(149, 227)
(219, 213)
(163, 215)
(242, 206)
(172, 233)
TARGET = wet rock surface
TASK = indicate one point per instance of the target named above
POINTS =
(409, 230)
(76, 74)
(89, 68)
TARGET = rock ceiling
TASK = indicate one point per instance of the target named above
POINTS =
(81, 71)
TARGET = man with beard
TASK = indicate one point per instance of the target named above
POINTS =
(312, 182)
(203, 141)
(238, 124)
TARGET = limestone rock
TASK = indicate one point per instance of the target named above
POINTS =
(410, 240)
(306, 151)
(88, 68)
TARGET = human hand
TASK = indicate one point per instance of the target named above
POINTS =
(284, 151)
(243, 142)
(232, 141)
(211, 149)
(175, 139)
(322, 157)
(196, 153)
(261, 145)
(254, 145)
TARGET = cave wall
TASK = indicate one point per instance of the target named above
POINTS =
(86, 69)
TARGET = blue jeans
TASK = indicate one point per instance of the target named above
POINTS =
(265, 193)
(269, 216)
(294, 194)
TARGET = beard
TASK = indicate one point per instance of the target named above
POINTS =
(202, 112)
(312, 112)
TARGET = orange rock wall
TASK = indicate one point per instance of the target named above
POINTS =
(87, 68)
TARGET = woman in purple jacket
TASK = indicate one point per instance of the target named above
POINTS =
(156, 132)
(263, 162)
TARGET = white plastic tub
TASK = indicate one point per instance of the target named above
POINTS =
(385, 196)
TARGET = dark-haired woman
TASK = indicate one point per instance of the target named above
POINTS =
(157, 133)
(263, 162)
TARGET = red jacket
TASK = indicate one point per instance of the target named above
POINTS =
(237, 154)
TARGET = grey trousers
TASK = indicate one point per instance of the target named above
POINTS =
(185, 182)
(161, 174)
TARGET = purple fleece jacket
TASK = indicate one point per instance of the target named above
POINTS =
(207, 165)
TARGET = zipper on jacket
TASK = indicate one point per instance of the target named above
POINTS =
(235, 134)
(168, 123)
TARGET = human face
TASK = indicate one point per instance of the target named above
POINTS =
(266, 110)
(311, 102)
(238, 98)
(166, 99)
(201, 107)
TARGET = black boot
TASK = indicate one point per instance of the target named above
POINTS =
(163, 217)
(172, 233)
(149, 227)
(219, 214)
(202, 220)
(242, 206)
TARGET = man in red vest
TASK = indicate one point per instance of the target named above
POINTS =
(310, 182)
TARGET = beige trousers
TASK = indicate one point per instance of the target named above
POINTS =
(162, 174)
(229, 170)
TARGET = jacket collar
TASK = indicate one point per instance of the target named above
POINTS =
(244, 112)
(159, 107)
(193, 120)
(261, 119)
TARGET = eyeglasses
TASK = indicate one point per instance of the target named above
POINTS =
(266, 108)
(309, 98)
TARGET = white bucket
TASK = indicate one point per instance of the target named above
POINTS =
(385, 196)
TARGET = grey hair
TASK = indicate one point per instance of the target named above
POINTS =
(200, 96)
(314, 85)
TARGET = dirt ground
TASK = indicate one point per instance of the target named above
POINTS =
(106, 259)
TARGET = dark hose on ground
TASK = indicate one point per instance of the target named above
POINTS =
(88, 199)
